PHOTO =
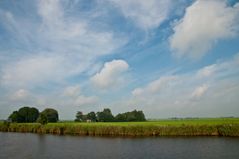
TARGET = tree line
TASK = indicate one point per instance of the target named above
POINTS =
(107, 116)
(32, 114)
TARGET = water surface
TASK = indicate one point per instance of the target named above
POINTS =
(31, 146)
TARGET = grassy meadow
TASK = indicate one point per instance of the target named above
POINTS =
(167, 127)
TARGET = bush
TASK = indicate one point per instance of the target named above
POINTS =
(42, 119)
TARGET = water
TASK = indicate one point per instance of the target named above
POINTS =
(31, 146)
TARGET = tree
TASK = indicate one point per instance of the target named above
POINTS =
(33, 114)
(121, 117)
(105, 115)
(79, 116)
(91, 116)
(140, 116)
(14, 117)
(131, 116)
(42, 119)
(25, 115)
(51, 114)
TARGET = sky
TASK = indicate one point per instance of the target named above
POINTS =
(168, 58)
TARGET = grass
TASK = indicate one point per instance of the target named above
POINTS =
(184, 127)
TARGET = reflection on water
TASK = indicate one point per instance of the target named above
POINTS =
(29, 146)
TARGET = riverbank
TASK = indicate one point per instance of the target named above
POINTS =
(196, 127)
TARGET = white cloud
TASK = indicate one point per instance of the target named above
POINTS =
(204, 23)
(51, 12)
(219, 69)
(20, 94)
(199, 91)
(50, 46)
(12, 26)
(73, 34)
(73, 95)
(64, 44)
(147, 14)
(207, 71)
(137, 91)
(209, 91)
(72, 91)
(86, 101)
(30, 71)
(110, 75)
(155, 86)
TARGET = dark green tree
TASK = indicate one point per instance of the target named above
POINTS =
(51, 114)
(14, 117)
(33, 114)
(79, 116)
(91, 116)
(121, 117)
(25, 115)
(105, 116)
(140, 116)
(131, 116)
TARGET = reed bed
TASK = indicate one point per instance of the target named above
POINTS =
(197, 127)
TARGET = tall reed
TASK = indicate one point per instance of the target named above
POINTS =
(109, 129)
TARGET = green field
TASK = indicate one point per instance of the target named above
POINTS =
(183, 127)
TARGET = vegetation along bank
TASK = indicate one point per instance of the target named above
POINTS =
(104, 123)
(197, 127)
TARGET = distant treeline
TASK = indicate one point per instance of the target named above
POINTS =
(31, 115)
(107, 116)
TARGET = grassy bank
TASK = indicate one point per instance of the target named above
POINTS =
(196, 127)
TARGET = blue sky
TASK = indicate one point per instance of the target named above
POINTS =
(167, 58)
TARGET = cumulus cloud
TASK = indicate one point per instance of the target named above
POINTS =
(110, 75)
(204, 23)
(145, 14)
